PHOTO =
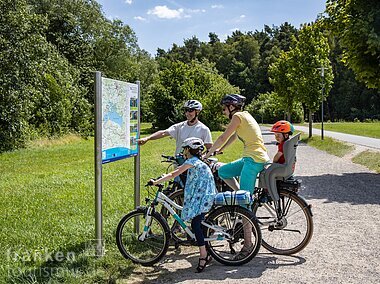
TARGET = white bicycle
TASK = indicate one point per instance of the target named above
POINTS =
(143, 234)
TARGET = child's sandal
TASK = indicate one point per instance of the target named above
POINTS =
(207, 260)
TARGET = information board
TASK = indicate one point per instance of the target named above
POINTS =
(119, 120)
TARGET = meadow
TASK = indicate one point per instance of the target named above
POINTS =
(368, 129)
(47, 210)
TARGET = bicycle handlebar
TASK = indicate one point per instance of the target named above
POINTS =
(168, 157)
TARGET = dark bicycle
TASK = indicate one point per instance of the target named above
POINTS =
(285, 218)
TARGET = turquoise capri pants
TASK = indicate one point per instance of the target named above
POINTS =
(246, 168)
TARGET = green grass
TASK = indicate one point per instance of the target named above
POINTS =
(368, 129)
(369, 159)
(47, 210)
(328, 145)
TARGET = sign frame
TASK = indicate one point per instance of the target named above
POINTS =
(99, 161)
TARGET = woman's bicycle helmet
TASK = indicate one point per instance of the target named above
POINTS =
(283, 126)
(233, 99)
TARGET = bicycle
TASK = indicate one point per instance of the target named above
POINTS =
(287, 223)
(174, 190)
(179, 183)
(143, 234)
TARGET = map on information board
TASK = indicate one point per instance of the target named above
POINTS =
(119, 120)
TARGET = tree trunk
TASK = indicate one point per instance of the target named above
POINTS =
(288, 116)
(310, 124)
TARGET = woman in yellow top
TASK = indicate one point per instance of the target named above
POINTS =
(244, 127)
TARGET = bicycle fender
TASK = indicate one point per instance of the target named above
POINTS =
(307, 205)
(141, 209)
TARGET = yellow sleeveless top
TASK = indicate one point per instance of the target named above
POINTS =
(250, 134)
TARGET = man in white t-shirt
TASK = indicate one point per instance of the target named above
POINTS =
(192, 127)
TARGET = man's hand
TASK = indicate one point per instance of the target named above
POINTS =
(142, 141)
(151, 182)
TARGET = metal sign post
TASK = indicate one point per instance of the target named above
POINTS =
(98, 166)
(323, 87)
(137, 164)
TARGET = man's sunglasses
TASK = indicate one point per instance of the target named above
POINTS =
(189, 109)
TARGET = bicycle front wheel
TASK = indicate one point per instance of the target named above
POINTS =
(240, 225)
(155, 245)
(293, 231)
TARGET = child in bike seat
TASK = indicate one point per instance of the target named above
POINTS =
(282, 131)
(199, 192)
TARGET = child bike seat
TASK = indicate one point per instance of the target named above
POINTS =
(276, 171)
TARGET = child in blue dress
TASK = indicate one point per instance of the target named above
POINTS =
(199, 192)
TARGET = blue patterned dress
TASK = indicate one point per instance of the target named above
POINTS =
(199, 189)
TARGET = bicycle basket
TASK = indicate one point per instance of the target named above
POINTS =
(240, 197)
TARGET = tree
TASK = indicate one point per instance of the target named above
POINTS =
(39, 92)
(48, 53)
(357, 24)
(309, 54)
(349, 99)
(283, 83)
(271, 41)
(180, 82)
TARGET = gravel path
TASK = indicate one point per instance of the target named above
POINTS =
(344, 248)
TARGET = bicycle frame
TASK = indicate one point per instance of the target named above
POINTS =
(161, 198)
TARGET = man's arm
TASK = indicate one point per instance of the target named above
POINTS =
(156, 135)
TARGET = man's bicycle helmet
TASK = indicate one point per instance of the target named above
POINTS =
(283, 126)
(194, 104)
(233, 99)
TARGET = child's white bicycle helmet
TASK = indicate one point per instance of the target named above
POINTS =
(193, 143)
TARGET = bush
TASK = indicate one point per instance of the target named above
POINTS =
(39, 92)
(267, 109)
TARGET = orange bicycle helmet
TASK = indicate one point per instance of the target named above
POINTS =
(283, 126)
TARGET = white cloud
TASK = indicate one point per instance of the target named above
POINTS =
(196, 11)
(242, 16)
(139, 18)
(217, 6)
(128, 2)
(164, 12)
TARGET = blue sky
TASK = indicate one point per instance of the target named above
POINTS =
(160, 23)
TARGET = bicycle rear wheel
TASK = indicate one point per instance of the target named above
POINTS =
(293, 231)
(155, 244)
(234, 220)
